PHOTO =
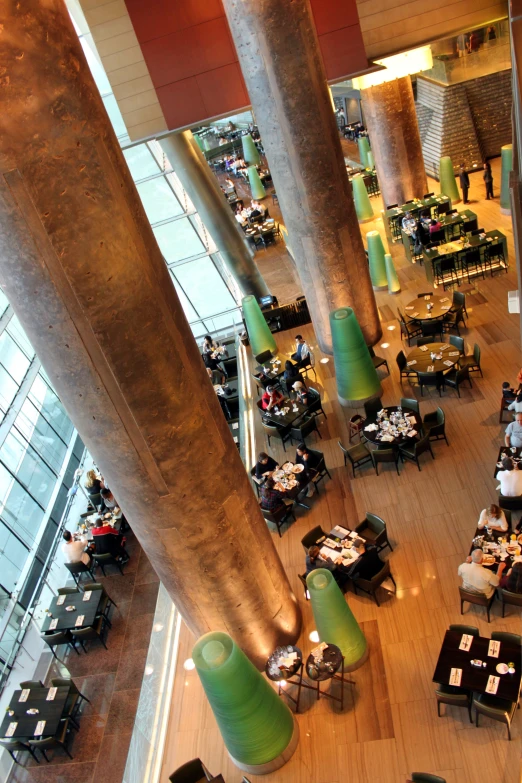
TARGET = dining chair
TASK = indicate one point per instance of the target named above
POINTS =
(412, 451)
(378, 361)
(312, 537)
(77, 570)
(434, 424)
(275, 431)
(457, 342)
(454, 696)
(452, 319)
(471, 263)
(94, 631)
(431, 329)
(430, 379)
(302, 579)
(373, 405)
(355, 426)
(494, 252)
(315, 405)
(28, 684)
(424, 341)
(402, 364)
(510, 503)
(357, 455)
(279, 516)
(495, 708)
(385, 455)
(509, 598)
(193, 771)
(301, 432)
(472, 361)
(374, 530)
(59, 740)
(409, 330)
(263, 357)
(321, 471)
(370, 586)
(477, 599)
(407, 403)
(106, 559)
(455, 378)
(67, 590)
(56, 638)
(74, 699)
(459, 300)
(508, 638)
(471, 630)
(426, 777)
(106, 602)
(14, 745)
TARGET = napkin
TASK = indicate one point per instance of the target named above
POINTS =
(446, 307)
(465, 642)
(494, 649)
(492, 685)
(235, 439)
(24, 695)
(353, 534)
(411, 433)
(424, 348)
(53, 624)
(455, 677)
(61, 600)
(448, 362)
(371, 427)
(87, 595)
(79, 620)
(445, 299)
(52, 693)
(11, 729)
(412, 419)
(410, 307)
(453, 353)
(339, 531)
(413, 361)
(387, 437)
(430, 368)
(415, 314)
(40, 726)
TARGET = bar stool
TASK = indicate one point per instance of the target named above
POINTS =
(326, 667)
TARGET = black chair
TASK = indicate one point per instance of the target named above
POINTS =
(104, 607)
(264, 357)
(95, 500)
(445, 271)
(357, 455)
(471, 630)
(431, 329)
(459, 300)
(94, 631)
(106, 559)
(455, 378)
(315, 406)
(454, 696)
(373, 405)
(378, 361)
(67, 590)
(385, 455)
(59, 740)
(414, 450)
(496, 709)
(424, 341)
(452, 319)
(373, 529)
(192, 772)
(434, 424)
(391, 206)
(409, 330)
(478, 599)
(370, 586)
(443, 209)
(28, 684)
(77, 570)
(74, 699)
(472, 361)
(302, 579)
(320, 468)
(402, 364)
(510, 503)
(427, 195)
(430, 379)
(508, 638)
(13, 745)
(55, 639)
(279, 516)
(426, 777)
(438, 236)
(457, 342)
(495, 252)
(301, 432)
(471, 263)
(275, 431)
(408, 404)
(312, 537)
(509, 598)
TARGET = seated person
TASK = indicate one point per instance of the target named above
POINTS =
(241, 217)
(409, 223)
(516, 405)
(254, 211)
(109, 502)
(264, 465)
(109, 541)
(214, 371)
(476, 578)
(508, 393)
(514, 432)
(493, 518)
(315, 560)
(74, 550)
(368, 564)
(435, 225)
(310, 462)
(271, 398)
(291, 374)
(93, 484)
(510, 479)
(512, 580)
(302, 354)
(272, 499)
(301, 393)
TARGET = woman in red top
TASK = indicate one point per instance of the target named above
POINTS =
(271, 398)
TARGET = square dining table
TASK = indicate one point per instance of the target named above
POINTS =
(67, 619)
(51, 711)
(289, 418)
(473, 677)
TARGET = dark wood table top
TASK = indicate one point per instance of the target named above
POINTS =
(276, 672)
(416, 206)
(327, 666)
(472, 242)
(402, 437)
(275, 371)
(290, 417)
(67, 620)
(420, 306)
(49, 711)
(473, 678)
(423, 358)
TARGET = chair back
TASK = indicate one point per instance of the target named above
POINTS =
(76, 568)
(308, 426)
(384, 455)
(191, 772)
(424, 340)
(438, 236)
(401, 361)
(28, 684)
(67, 590)
(509, 638)
(343, 448)
(55, 638)
(471, 630)
(427, 378)
(314, 400)
(457, 342)
(426, 777)
(459, 298)
(95, 499)
(476, 353)
(375, 523)
(441, 418)
(310, 538)
(372, 405)
(422, 445)
(410, 404)
(320, 459)
(473, 598)
(515, 599)
(372, 584)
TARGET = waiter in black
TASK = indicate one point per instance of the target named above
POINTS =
(464, 183)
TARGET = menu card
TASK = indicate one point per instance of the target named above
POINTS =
(79, 620)
(53, 624)
(424, 348)
(40, 726)
(328, 553)
(494, 649)
(24, 695)
(455, 677)
(60, 600)
(492, 685)
(87, 595)
(339, 532)
(11, 729)
(465, 642)
(52, 693)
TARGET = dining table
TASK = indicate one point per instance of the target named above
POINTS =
(285, 414)
(456, 247)
(393, 425)
(427, 308)
(29, 707)
(513, 452)
(466, 221)
(275, 367)
(498, 547)
(393, 217)
(455, 667)
(446, 356)
(338, 545)
(72, 611)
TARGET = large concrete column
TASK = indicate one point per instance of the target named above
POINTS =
(283, 70)
(190, 165)
(81, 267)
(391, 120)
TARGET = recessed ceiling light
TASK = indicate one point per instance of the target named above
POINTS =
(385, 345)
(314, 636)
(189, 665)
(391, 328)
(325, 361)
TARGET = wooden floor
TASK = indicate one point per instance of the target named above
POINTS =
(390, 727)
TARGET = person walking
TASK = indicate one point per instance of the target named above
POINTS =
(464, 183)
(488, 180)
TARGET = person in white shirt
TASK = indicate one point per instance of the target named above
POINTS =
(510, 479)
(408, 222)
(516, 405)
(493, 518)
(514, 432)
(74, 551)
(476, 578)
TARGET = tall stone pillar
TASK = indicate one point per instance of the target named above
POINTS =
(283, 70)
(391, 120)
(190, 165)
(81, 267)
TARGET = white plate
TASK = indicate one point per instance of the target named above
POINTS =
(287, 467)
(298, 469)
(502, 668)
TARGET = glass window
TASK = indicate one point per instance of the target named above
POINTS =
(4, 302)
(32, 472)
(17, 508)
(204, 286)
(15, 330)
(8, 389)
(189, 311)
(158, 200)
(50, 407)
(178, 240)
(140, 162)
(115, 116)
(12, 358)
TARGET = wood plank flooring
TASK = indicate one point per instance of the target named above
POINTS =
(390, 727)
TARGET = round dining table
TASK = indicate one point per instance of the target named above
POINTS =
(374, 435)
(423, 360)
(419, 306)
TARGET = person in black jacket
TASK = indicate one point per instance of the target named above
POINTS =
(488, 181)
(264, 465)
(464, 183)
(310, 462)
(369, 563)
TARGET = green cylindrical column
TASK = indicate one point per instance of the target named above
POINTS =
(250, 151)
(361, 199)
(364, 148)
(391, 275)
(448, 183)
(334, 620)
(376, 254)
(371, 162)
(507, 166)
(256, 186)
(257, 727)
(260, 336)
(355, 373)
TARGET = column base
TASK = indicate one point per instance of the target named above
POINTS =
(504, 211)
(359, 663)
(380, 287)
(277, 763)
(367, 220)
(358, 403)
(394, 293)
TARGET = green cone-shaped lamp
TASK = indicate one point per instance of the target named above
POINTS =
(369, 158)
(364, 148)
(355, 373)
(257, 727)
(361, 200)
(448, 183)
(391, 275)
(250, 151)
(334, 620)
(256, 186)
(507, 166)
(259, 334)
(376, 254)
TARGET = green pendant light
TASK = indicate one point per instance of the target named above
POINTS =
(364, 148)
(376, 260)
(361, 200)
(448, 183)
(355, 373)
(257, 727)
(391, 275)
(250, 151)
(259, 334)
(334, 620)
(256, 186)
(507, 167)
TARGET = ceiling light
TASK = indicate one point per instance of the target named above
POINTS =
(391, 328)
(385, 345)
(324, 361)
